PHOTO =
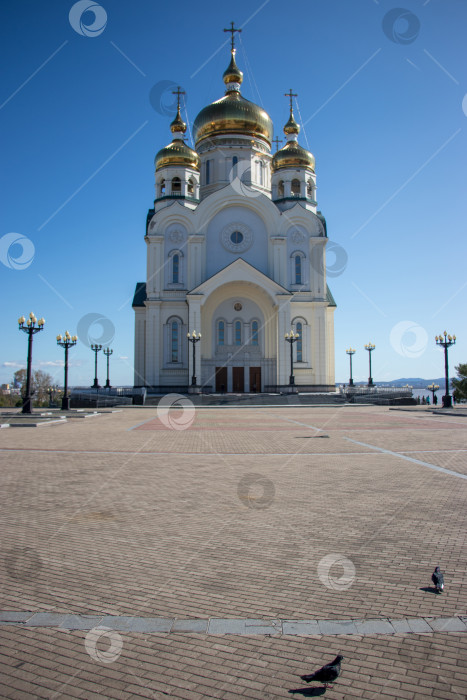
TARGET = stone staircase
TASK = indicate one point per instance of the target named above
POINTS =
(238, 400)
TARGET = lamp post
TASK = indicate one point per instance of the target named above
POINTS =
(370, 347)
(193, 339)
(67, 342)
(291, 338)
(446, 342)
(107, 352)
(50, 391)
(30, 328)
(95, 349)
(433, 388)
(350, 352)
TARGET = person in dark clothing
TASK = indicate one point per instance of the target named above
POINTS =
(438, 579)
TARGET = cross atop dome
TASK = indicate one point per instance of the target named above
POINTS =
(232, 30)
(291, 129)
(290, 95)
(178, 126)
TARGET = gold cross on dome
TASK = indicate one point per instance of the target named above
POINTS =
(178, 92)
(277, 141)
(232, 30)
(290, 95)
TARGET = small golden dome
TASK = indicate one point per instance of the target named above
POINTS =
(233, 114)
(178, 125)
(292, 155)
(291, 127)
(233, 74)
(177, 153)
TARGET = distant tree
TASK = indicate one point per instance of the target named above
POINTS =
(460, 384)
(40, 383)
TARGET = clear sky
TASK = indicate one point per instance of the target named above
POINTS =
(85, 104)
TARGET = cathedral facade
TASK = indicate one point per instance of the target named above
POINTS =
(236, 253)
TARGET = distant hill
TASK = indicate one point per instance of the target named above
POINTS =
(415, 382)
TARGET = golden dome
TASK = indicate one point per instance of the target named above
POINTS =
(291, 127)
(178, 125)
(233, 74)
(292, 155)
(177, 153)
(233, 114)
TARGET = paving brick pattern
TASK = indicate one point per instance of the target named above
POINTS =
(101, 519)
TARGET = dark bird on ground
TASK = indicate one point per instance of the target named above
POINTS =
(438, 579)
(327, 674)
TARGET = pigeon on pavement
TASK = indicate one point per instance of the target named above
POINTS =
(438, 579)
(327, 674)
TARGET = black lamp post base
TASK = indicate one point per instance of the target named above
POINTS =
(447, 401)
(370, 381)
(27, 405)
(65, 403)
(95, 385)
(107, 384)
(351, 382)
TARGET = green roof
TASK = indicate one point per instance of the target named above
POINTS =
(140, 294)
(329, 297)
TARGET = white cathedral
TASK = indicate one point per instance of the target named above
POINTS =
(236, 253)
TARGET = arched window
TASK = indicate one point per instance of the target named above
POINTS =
(176, 268)
(309, 189)
(298, 269)
(221, 333)
(176, 185)
(174, 337)
(162, 187)
(208, 172)
(295, 187)
(299, 342)
(238, 332)
(191, 186)
(254, 332)
(280, 188)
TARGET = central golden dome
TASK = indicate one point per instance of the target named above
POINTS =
(233, 114)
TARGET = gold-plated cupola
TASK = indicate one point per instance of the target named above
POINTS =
(233, 114)
(292, 155)
(177, 153)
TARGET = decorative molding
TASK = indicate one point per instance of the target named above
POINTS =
(229, 245)
(297, 236)
(176, 236)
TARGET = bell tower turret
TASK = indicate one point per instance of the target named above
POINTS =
(293, 169)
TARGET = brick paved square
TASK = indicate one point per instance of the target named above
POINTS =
(244, 516)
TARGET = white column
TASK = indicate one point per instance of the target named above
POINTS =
(319, 343)
(279, 254)
(155, 266)
(318, 267)
(283, 327)
(140, 347)
(153, 343)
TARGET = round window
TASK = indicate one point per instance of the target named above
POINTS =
(236, 237)
(238, 306)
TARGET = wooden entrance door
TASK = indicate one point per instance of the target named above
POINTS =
(255, 379)
(221, 379)
(238, 379)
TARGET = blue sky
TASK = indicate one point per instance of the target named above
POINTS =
(382, 94)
